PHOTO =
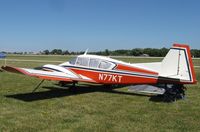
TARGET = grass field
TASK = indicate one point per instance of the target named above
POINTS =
(91, 108)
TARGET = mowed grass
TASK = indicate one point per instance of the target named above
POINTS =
(91, 107)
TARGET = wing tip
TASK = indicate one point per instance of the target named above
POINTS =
(11, 69)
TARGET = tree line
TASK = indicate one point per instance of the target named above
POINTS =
(154, 52)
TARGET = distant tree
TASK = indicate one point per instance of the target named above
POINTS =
(152, 52)
(81, 52)
(147, 51)
(46, 52)
(163, 52)
(195, 53)
(72, 53)
(136, 52)
(98, 53)
(107, 52)
(59, 51)
(66, 52)
(56, 51)
(155, 52)
(120, 52)
(124, 52)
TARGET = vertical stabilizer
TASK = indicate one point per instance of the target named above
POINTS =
(178, 64)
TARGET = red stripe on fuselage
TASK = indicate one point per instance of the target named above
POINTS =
(134, 69)
(114, 78)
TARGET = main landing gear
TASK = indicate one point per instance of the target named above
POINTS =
(174, 92)
(65, 84)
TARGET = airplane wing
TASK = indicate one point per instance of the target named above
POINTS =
(48, 75)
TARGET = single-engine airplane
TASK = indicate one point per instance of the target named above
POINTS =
(166, 77)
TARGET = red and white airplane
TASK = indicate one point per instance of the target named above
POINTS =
(167, 76)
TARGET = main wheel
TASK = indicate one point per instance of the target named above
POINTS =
(174, 93)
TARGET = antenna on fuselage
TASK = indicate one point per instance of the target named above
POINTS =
(86, 52)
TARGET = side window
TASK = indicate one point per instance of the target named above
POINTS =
(82, 61)
(105, 65)
(94, 63)
(73, 61)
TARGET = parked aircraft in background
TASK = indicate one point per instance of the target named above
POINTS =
(166, 77)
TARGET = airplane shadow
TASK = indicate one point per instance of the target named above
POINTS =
(57, 92)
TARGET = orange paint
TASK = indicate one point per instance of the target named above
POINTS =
(134, 69)
(124, 79)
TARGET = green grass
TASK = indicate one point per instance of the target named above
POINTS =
(91, 108)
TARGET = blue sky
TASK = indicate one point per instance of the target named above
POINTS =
(75, 25)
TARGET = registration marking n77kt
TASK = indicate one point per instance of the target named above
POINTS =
(110, 77)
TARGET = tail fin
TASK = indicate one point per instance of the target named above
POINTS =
(178, 64)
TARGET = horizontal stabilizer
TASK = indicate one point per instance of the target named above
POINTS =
(146, 89)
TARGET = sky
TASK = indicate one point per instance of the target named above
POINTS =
(76, 25)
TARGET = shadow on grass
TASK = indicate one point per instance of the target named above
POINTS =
(57, 92)
(158, 98)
